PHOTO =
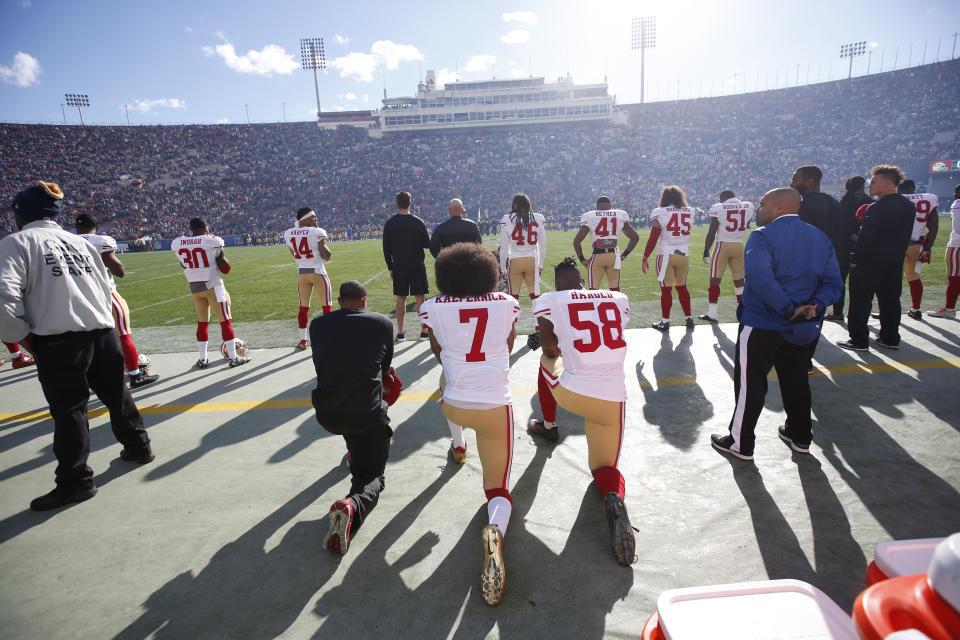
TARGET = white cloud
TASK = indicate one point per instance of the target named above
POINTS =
(188, 29)
(521, 17)
(351, 96)
(444, 76)
(874, 45)
(267, 61)
(341, 39)
(147, 106)
(223, 121)
(366, 98)
(383, 53)
(23, 71)
(517, 36)
(480, 62)
(25, 4)
(516, 73)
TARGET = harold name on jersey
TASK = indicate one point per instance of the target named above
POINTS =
(589, 295)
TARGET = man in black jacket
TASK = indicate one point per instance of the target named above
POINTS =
(852, 199)
(352, 351)
(404, 239)
(876, 263)
(458, 228)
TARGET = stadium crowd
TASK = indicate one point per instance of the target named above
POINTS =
(248, 179)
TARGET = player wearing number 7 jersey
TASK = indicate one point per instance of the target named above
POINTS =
(471, 330)
(730, 220)
(201, 256)
(586, 329)
(671, 226)
(604, 225)
(307, 243)
(522, 247)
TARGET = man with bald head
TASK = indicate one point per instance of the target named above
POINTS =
(458, 228)
(791, 276)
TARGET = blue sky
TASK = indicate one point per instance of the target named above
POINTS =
(189, 62)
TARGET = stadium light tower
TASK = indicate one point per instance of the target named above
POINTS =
(313, 57)
(852, 50)
(78, 100)
(643, 35)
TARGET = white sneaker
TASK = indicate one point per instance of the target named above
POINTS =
(943, 312)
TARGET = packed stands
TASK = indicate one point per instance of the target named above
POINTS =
(248, 179)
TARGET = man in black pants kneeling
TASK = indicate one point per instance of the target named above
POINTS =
(55, 301)
(352, 351)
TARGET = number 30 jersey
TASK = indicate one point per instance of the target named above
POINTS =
(303, 243)
(472, 333)
(517, 242)
(198, 255)
(589, 326)
(734, 216)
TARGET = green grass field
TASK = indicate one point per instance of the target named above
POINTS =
(262, 282)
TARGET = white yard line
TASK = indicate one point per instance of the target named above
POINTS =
(228, 282)
(270, 315)
(373, 277)
(172, 320)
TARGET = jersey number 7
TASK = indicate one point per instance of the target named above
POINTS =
(480, 315)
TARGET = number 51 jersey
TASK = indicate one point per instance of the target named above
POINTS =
(303, 243)
(198, 255)
(589, 326)
(472, 333)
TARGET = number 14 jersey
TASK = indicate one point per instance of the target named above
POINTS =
(472, 333)
(589, 326)
(304, 244)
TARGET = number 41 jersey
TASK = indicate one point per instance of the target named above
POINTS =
(303, 243)
(198, 255)
(472, 333)
(589, 326)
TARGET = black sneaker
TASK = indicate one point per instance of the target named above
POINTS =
(538, 428)
(689, 322)
(203, 363)
(790, 442)
(621, 532)
(533, 341)
(661, 326)
(143, 456)
(400, 338)
(875, 316)
(886, 345)
(239, 360)
(61, 497)
(834, 317)
(727, 445)
(915, 314)
(424, 335)
(850, 346)
(142, 379)
(708, 318)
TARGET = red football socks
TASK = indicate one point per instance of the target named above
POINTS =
(303, 316)
(327, 309)
(609, 479)
(130, 358)
(713, 294)
(548, 404)
(953, 291)
(226, 330)
(916, 292)
(683, 294)
(666, 301)
(202, 331)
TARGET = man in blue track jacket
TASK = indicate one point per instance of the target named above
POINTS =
(791, 277)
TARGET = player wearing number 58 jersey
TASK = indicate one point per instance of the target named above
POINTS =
(925, 227)
(523, 245)
(730, 219)
(586, 328)
(604, 225)
(671, 226)
(307, 243)
(201, 256)
(471, 330)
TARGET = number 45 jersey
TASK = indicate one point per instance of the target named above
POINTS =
(303, 243)
(589, 326)
(198, 255)
(472, 333)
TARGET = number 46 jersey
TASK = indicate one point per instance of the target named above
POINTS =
(472, 333)
(198, 255)
(589, 326)
(303, 243)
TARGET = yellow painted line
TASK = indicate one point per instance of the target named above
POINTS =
(433, 396)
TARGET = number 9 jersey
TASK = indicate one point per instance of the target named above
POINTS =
(303, 243)
(198, 255)
(589, 326)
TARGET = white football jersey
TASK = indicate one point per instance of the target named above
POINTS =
(604, 225)
(198, 255)
(675, 223)
(954, 240)
(472, 333)
(734, 216)
(517, 242)
(589, 326)
(925, 203)
(103, 244)
(304, 243)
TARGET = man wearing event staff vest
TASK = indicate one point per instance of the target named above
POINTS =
(586, 328)
(730, 220)
(604, 225)
(307, 243)
(201, 256)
